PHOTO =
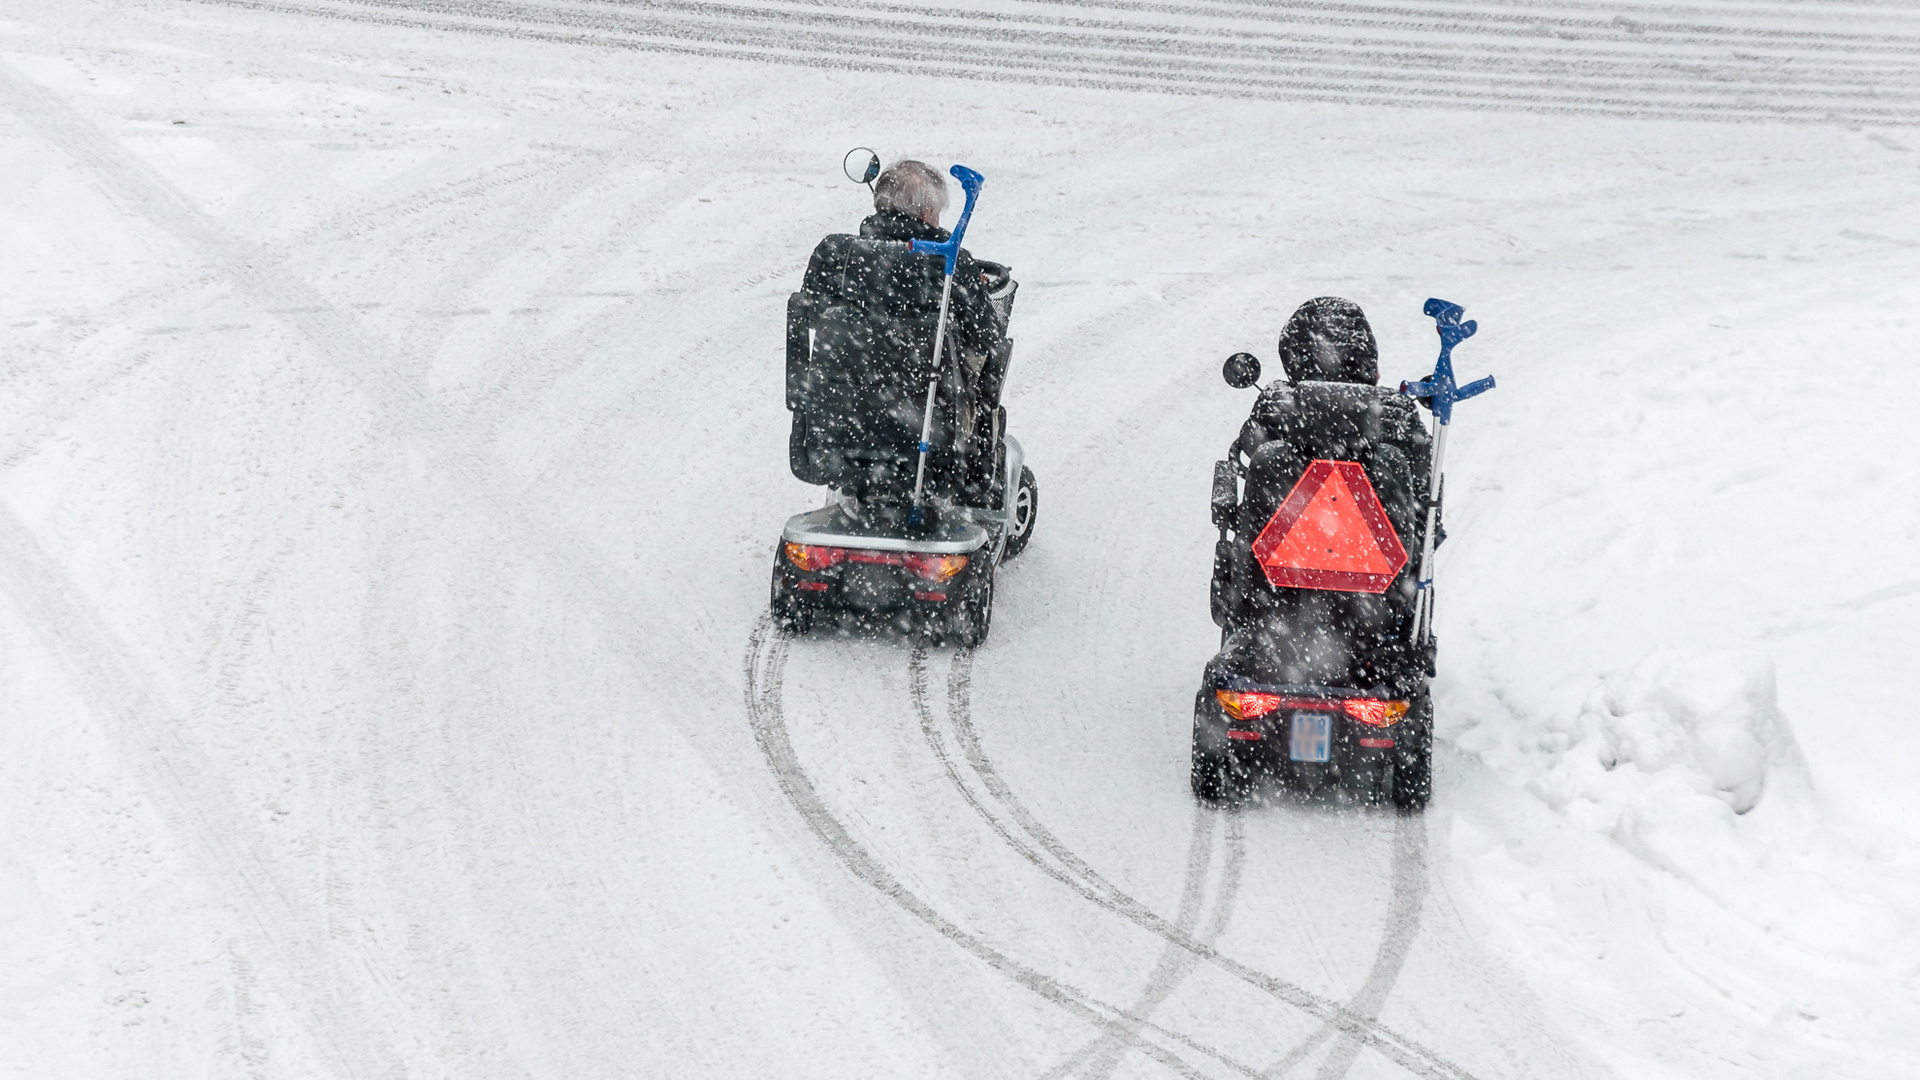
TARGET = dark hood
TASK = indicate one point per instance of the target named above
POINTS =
(894, 225)
(1328, 340)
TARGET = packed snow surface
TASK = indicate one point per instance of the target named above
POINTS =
(392, 450)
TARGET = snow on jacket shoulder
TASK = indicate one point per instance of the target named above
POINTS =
(1325, 417)
(979, 324)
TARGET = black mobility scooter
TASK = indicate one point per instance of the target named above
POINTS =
(1324, 506)
(929, 494)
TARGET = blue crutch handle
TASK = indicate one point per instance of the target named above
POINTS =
(1440, 389)
(970, 182)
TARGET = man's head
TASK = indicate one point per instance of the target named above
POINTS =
(1328, 340)
(913, 188)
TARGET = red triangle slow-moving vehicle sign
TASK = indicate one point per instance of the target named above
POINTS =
(1331, 533)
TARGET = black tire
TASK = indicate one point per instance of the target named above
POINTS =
(1209, 777)
(790, 616)
(1413, 759)
(973, 617)
(1023, 513)
(1219, 779)
(1215, 776)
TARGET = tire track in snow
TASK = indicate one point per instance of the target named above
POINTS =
(193, 800)
(1403, 915)
(1401, 75)
(1070, 870)
(204, 809)
(1102, 1055)
(1649, 74)
(1544, 35)
(498, 400)
(764, 670)
(1404, 906)
(144, 193)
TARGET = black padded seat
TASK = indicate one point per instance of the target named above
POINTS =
(859, 355)
(1298, 635)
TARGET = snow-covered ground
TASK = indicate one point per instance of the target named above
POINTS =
(391, 448)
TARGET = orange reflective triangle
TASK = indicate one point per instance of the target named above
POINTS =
(1331, 533)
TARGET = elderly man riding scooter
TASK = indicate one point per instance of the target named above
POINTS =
(908, 199)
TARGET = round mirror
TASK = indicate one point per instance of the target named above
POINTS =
(862, 165)
(1241, 370)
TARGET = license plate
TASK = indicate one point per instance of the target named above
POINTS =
(1310, 736)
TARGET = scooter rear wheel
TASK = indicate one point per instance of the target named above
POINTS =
(972, 617)
(1216, 775)
(790, 616)
(1413, 764)
(1022, 514)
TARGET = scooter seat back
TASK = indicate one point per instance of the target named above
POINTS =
(872, 307)
(1337, 421)
(1328, 421)
(1328, 634)
(859, 355)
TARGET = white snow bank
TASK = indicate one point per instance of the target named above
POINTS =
(1707, 725)
(1675, 727)
(1662, 757)
(1765, 912)
(1663, 760)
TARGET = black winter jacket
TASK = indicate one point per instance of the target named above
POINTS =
(978, 324)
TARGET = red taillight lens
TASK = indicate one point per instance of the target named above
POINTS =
(935, 567)
(814, 559)
(1373, 712)
(1245, 704)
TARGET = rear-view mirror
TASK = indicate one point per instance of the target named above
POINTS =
(862, 165)
(1241, 370)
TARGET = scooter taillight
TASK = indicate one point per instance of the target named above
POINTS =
(813, 558)
(1374, 712)
(934, 567)
(1247, 704)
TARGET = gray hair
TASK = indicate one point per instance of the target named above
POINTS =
(912, 188)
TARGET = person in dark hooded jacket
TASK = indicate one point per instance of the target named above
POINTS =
(1330, 405)
(1327, 339)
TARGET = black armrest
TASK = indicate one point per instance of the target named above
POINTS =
(801, 308)
(1226, 494)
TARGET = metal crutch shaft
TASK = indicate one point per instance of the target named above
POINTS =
(933, 383)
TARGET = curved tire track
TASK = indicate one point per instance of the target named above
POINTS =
(765, 671)
(1099, 1058)
(1408, 880)
(195, 804)
(1403, 913)
(347, 990)
(1101, 1055)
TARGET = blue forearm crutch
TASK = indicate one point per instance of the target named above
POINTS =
(1441, 392)
(970, 182)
